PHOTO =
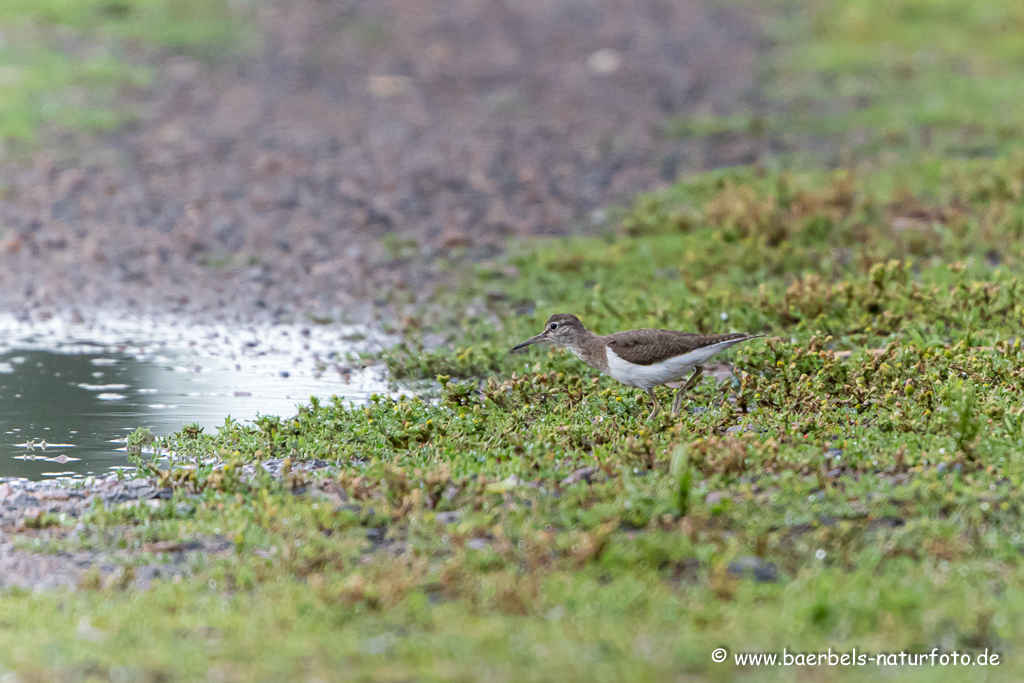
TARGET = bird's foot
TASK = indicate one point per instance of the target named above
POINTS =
(678, 402)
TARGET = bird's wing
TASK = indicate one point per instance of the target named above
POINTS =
(647, 347)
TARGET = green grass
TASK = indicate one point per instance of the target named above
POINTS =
(876, 491)
(853, 79)
(66, 63)
(863, 459)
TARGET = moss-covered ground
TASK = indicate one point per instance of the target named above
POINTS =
(67, 64)
(853, 482)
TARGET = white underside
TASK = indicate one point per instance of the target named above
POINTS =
(671, 370)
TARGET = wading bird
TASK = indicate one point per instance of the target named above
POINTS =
(639, 358)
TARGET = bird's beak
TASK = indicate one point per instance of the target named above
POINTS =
(532, 340)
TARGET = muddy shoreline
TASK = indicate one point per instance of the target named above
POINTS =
(331, 171)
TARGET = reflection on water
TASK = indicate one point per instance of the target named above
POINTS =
(71, 395)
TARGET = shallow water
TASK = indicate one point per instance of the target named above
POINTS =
(72, 393)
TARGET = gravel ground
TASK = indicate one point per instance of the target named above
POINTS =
(35, 514)
(26, 509)
(362, 141)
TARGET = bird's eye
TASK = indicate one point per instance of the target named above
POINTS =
(552, 326)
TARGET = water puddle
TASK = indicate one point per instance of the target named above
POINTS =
(72, 393)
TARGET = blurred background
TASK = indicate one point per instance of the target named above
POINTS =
(253, 158)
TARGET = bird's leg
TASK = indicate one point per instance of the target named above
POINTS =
(654, 400)
(678, 402)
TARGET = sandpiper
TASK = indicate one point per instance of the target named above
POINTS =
(639, 358)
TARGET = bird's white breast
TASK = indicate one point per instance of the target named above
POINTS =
(656, 374)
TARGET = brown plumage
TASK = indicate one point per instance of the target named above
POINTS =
(639, 358)
(646, 347)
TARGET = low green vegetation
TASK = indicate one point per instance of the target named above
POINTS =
(852, 480)
(853, 79)
(67, 62)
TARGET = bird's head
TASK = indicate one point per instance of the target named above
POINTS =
(561, 329)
